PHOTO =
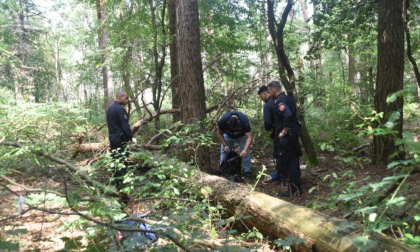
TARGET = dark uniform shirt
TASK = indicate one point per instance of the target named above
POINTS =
(243, 125)
(118, 127)
(268, 112)
(285, 109)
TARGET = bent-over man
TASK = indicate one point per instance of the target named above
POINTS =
(233, 127)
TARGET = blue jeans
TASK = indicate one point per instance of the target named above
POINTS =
(246, 161)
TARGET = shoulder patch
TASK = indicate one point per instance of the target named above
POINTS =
(281, 107)
(125, 116)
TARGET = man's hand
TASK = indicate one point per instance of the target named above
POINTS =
(226, 148)
(243, 153)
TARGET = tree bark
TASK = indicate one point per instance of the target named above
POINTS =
(174, 59)
(389, 79)
(192, 93)
(276, 31)
(103, 39)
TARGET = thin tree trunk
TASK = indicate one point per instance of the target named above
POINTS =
(408, 38)
(192, 93)
(108, 85)
(276, 31)
(331, 79)
(57, 68)
(22, 82)
(390, 76)
(174, 60)
(351, 76)
(304, 11)
(364, 83)
(158, 60)
(371, 83)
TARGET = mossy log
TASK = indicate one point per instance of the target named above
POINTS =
(278, 219)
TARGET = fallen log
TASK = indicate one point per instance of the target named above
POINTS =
(277, 218)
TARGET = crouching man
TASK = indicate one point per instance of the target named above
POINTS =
(233, 127)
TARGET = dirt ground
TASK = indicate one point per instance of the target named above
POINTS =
(43, 232)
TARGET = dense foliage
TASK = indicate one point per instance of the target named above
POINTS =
(51, 98)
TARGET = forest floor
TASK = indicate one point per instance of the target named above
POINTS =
(43, 233)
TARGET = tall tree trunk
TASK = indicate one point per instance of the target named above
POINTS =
(192, 93)
(103, 39)
(22, 81)
(276, 31)
(173, 58)
(364, 82)
(390, 75)
(57, 64)
(331, 80)
(408, 37)
(371, 83)
(304, 11)
(351, 76)
(158, 60)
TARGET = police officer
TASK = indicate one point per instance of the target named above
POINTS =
(268, 114)
(232, 127)
(287, 138)
(119, 134)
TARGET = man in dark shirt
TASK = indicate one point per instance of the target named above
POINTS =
(119, 134)
(268, 114)
(268, 110)
(234, 127)
(286, 131)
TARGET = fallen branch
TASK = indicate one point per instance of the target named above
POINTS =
(67, 164)
(30, 207)
(361, 147)
(207, 243)
(28, 189)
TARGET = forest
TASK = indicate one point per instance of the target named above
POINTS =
(351, 67)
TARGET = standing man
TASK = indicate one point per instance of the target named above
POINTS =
(268, 114)
(119, 134)
(287, 138)
(234, 127)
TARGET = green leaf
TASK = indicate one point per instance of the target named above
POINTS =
(364, 243)
(259, 235)
(398, 201)
(389, 125)
(391, 98)
(17, 231)
(176, 191)
(394, 116)
(366, 210)
(379, 185)
(9, 246)
(350, 196)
